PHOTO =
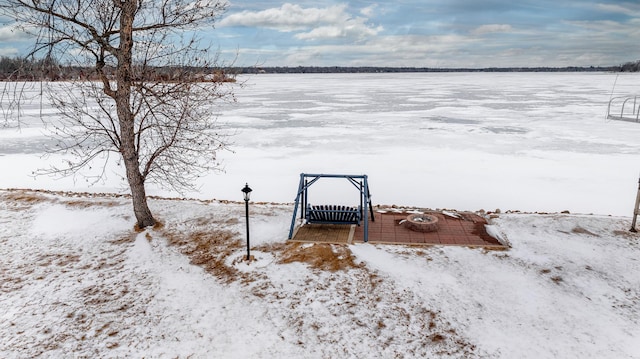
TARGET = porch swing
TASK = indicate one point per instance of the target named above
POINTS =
(333, 214)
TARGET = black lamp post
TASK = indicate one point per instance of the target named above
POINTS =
(247, 193)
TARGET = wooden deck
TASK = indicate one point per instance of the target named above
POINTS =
(325, 233)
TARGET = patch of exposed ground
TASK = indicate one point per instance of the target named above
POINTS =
(209, 250)
(20, 199)
(328, 257)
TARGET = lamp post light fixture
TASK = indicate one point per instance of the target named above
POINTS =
(246, 191)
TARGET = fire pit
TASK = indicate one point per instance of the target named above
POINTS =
(420, 222)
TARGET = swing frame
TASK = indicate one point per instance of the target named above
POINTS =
(333, 214)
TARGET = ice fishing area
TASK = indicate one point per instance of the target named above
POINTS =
(468, 141)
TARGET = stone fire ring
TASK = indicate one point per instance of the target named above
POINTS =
(421, 222)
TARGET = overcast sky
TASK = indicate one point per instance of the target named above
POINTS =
(423, 33)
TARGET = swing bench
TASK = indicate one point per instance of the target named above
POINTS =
(333, 214)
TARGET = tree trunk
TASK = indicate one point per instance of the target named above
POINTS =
(141, 209)
(128, 148)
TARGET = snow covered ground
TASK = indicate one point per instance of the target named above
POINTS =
(76, 280)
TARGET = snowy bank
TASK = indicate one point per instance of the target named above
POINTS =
(77, 280)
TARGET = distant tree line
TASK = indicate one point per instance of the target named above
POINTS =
(27, 69)
(630, 67)
(376, 69)
(18, 69)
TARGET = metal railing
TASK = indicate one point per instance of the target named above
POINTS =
(624, 108)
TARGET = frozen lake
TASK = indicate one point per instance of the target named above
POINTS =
(467, 141)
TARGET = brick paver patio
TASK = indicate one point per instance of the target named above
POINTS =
(460, 228)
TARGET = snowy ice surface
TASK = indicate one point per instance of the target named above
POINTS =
(467, 141)
(77, 281)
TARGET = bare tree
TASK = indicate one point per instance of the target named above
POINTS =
(150, 103)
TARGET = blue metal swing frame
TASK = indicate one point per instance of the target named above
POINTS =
(333, 214)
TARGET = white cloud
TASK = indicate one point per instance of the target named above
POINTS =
(407, 50)
(319, 23)
(369, 10)
(8, 51)
(605, 25)
(11, 38)
(12, 33)
(627, 9)
(321, 32)
(350, 29)
(288, 17)
(491, 28)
